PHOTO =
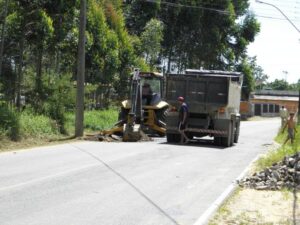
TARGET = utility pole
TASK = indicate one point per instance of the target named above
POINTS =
(285, 75)
(80, 72)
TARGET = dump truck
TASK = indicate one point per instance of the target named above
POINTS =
(213, 99)
(144, 111)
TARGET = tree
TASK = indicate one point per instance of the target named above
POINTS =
(80, 72)
(295, 86)
(259, 76)
(3, 34)
(199, 33)
(248, 81)
(279, 84)
(151, 40)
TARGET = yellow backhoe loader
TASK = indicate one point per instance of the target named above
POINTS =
(144, 113)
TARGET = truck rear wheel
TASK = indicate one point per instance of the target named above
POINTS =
(237, 132)
(173, 138)
(218, 141)
(228, 141)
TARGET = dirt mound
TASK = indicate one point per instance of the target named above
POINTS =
(112, 137)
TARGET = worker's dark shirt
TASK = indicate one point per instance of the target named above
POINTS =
(183, 108)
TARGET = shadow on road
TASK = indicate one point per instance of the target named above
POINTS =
(207, 143)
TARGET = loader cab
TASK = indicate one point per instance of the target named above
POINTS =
(152, 87)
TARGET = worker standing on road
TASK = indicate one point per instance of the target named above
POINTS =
(183, 118)
(283, 115)
(291, 124)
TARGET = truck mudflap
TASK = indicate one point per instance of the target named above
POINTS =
(220, 133)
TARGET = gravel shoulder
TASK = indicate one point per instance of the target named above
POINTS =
(250, 206)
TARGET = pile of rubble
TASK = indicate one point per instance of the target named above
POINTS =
(284, 174)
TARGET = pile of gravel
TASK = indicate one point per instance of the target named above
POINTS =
(284, 174)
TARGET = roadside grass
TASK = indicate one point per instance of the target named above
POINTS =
(94, 120)
(38, 126)
(276, 155)
(37, 130)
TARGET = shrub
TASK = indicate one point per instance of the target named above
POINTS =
(9, 122)
(61, 96)
(37, 126)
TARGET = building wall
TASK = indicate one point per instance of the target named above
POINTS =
(271, 107)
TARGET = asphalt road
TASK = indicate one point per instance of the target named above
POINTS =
(145, 183)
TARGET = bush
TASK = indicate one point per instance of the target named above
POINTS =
(9, 122)
(61, 96)
(37, 126)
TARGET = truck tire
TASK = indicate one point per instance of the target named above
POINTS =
(237, 132)
(228, 141)
(218, 141)
(170, 138)
(173, 138)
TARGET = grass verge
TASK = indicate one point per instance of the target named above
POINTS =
(37, 130)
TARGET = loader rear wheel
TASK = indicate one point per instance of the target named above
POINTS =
(237, 132)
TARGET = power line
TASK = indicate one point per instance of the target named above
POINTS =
(273, 17)
(190, 6)
(288, 19)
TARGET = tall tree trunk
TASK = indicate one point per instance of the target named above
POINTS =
(59, 33)
(20, 68)
(39, 63)
(3, 36)
(169, 60)
(80, 72)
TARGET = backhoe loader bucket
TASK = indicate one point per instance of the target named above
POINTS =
(132, 133)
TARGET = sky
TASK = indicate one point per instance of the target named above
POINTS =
(277, 46)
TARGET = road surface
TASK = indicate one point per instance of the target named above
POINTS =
(145, 183)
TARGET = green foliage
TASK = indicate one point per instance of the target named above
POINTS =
(151, 40)
(259, 76)
(277, 155)
(100, 119)
(37, 126)
(61, 96)
(295, 86)
(194, 36)
(279, 85)
(248, 84)
(94, 120)
(9, 122)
